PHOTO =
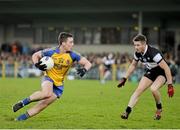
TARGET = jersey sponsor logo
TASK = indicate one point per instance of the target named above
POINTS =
(157, 58)
(67, 62)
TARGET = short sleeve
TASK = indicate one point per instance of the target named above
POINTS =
(47, 52)
(75, 56)
(156, 55)
(157, 58)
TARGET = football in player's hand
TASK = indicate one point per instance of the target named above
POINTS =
(48, 61)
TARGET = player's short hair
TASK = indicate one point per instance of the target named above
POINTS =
(140, 37)
(63, 37)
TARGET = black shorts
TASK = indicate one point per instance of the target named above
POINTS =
(154, 73)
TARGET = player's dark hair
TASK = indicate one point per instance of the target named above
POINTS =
(63, 37)
(140, 37)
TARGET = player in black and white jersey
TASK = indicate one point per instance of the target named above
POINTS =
(156, 75)
(108, 61)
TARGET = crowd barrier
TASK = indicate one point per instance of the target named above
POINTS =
(18, 70)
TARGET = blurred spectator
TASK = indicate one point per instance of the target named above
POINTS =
(101, 63)
(16, 48)
(108, 62)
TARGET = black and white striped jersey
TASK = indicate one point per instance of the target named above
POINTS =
(150, 58)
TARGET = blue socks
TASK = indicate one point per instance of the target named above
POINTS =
(26, 101)
(23, 117)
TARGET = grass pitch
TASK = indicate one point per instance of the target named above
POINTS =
(87, 104)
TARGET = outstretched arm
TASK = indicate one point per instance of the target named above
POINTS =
(86, 66)
(167, 71)
(131, 68)
(128, 73)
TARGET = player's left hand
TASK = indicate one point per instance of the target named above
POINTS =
(81, 71)
(41, 66)
(170, 90)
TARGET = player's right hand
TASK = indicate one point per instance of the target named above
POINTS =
(170, 90)
(122, 82)
(40, 66)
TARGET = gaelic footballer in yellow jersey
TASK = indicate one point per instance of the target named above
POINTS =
(62, 63)
(52, 84)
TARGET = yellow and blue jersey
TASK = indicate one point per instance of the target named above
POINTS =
(62, 63)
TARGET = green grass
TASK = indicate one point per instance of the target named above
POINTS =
(87, 104)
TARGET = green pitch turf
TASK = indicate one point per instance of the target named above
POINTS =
(87, 104)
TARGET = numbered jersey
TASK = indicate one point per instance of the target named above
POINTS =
(150, 58)
(62, 63)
